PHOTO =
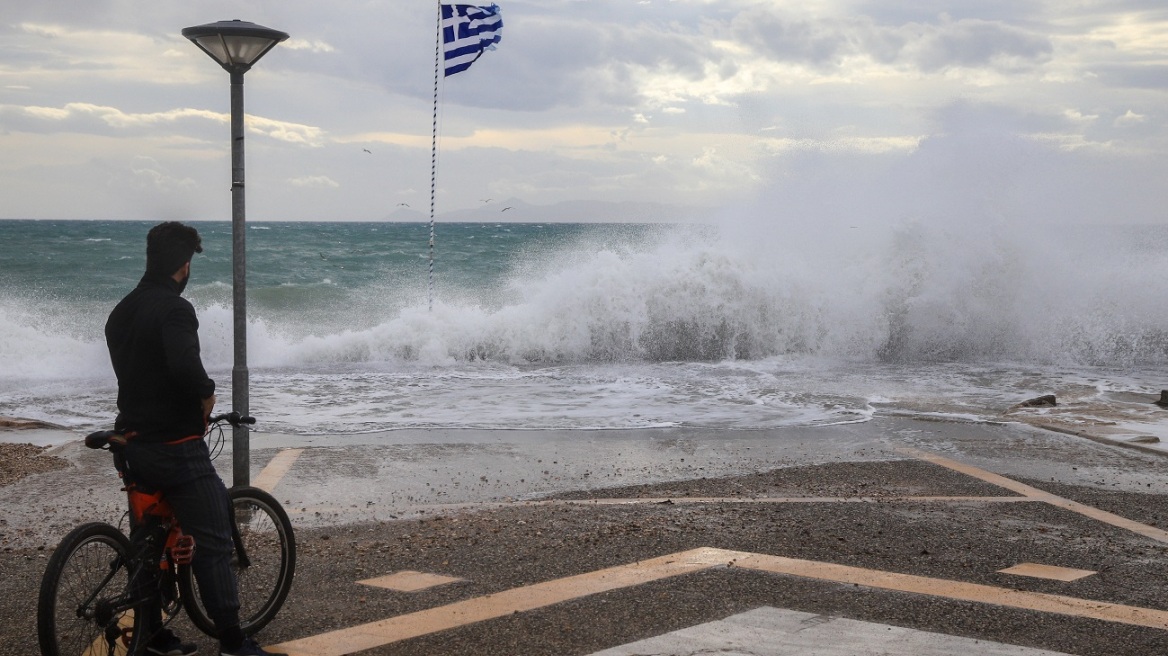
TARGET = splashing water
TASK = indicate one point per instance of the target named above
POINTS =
(601, 326)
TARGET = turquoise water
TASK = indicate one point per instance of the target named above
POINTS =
(311, 270)
(754, 323)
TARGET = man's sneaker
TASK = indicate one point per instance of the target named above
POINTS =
(166, 643)
(248, 648)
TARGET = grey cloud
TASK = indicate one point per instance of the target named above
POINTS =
(553, 55)
(58, 11)
(1099, 126)
(157, 18)
(929, 46)
(974, 43)
(794, 40)
(966, 117)
(553, 62)
(565, 62)
(1103, 125)
(926, 11)
(1132, 76)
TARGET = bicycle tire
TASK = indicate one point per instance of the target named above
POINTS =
(270, 545)
(88, 568)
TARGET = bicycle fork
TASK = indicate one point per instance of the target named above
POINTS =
(237, 540)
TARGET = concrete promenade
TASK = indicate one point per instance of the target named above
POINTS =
(895, 536)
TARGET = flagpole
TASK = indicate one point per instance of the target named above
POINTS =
(434, 147)
(472, 30)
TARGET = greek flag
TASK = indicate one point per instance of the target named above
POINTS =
(467, 31)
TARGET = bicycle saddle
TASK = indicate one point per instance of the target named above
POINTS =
(105, 438)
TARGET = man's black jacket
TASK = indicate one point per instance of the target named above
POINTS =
(153, 342)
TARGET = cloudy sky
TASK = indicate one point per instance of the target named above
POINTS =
(1044, 110)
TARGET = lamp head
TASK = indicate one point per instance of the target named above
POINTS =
(235, 44)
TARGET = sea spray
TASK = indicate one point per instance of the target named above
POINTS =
(765, 319)
(914, 293)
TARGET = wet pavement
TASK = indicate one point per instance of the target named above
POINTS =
(660, 541)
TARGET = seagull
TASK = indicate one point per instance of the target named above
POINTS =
(504, 209)
(367, 150)
(486, 200)
(403, 204)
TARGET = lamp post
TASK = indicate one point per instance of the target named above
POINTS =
(237, 45)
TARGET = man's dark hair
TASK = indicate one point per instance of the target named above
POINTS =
(169, 246)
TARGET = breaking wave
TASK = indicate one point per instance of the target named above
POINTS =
(916, 292)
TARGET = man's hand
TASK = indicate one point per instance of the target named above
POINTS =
(208, 405)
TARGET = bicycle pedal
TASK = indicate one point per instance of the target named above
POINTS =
(183, 551)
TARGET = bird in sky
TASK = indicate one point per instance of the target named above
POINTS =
(505, 209)
(486, 200)
(367, 150)
(403, 204)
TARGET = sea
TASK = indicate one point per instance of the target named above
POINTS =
(733, 324)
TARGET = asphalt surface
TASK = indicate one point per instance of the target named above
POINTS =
(499, 511)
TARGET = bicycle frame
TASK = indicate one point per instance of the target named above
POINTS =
(150, 515)
(150, 508)
(147, 507)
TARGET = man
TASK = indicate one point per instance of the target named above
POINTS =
(164, 399)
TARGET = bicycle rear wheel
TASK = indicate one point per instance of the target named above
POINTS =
(83, 592)
(264, 580)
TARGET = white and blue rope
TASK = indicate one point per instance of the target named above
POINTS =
(434, 150)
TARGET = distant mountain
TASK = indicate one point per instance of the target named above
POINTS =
(514, 210)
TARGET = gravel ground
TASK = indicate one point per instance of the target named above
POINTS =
(502, 548)
(20, 460)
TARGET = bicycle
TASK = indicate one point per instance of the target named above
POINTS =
(92, 599)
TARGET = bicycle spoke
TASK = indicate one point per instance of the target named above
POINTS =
(84, 585)
(264, 560)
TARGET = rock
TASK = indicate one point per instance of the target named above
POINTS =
(1145, 439)
(19, 424)
(1163, 401)
(1047, 401)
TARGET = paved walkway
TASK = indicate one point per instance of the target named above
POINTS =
(769, 630)
(894, 537)
(776, 632)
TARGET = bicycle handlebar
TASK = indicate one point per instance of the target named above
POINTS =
(233, 418)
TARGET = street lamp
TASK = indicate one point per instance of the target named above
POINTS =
(237, 45)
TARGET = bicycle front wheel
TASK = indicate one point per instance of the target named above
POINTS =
(264, 569)
(81, 609)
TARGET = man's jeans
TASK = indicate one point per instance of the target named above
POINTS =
(189, 482)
